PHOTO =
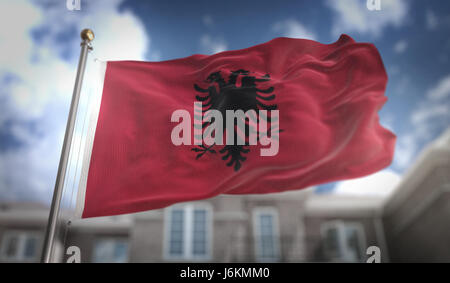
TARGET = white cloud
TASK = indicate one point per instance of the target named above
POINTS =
(353, 16)
(43, 75)
(431, 20)
(441, 91)
(405, 149)
(429, 116)
(119, 35)
(208, 21)
(17, 19)
(379, 184)
(434, 110)
(387, 120)
(429, 112)
(36, 82)
(294, 29)
(400, 46)
(212, 45)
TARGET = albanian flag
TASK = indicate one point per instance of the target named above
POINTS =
(163, 132)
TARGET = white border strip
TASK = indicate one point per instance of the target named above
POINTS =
(97, 92)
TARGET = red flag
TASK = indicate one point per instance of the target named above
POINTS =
(327, 97)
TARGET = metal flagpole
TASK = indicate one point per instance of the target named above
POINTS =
(86, 36)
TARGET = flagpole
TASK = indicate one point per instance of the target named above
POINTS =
(87, 36)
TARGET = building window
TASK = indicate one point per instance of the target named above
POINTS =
(266, 234)
(20, 246)
(343, 241)
(177, 232)
(188, 232)
(199, 232)
(110, 250)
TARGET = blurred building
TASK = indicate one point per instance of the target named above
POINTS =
(417, 216)
(412, 224)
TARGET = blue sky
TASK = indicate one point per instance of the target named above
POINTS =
(39, 44)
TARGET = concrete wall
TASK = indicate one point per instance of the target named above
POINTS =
(419, 229)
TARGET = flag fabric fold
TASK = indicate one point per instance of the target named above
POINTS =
(327, 97)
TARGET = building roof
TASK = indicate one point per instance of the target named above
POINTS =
(343, 205)
(435, 154)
